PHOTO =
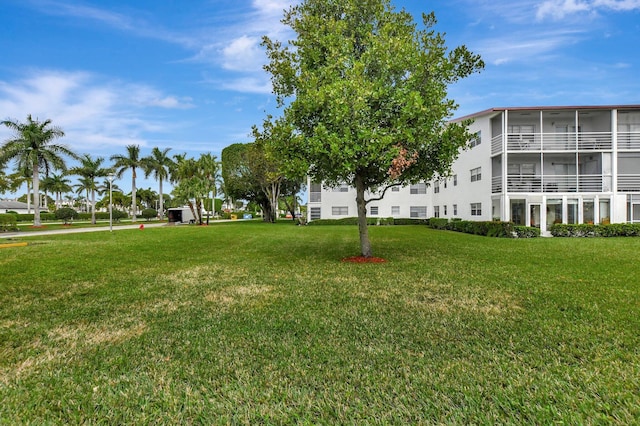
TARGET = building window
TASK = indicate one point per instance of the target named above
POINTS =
(395, 189)
(436, 211)
(455, 210)
(314, 213)
(315, 193)
(418, 211)
(476, 139)
(476, 174)
(340, 210)
(455, 180)
(476, 209)
(436, 187)
(341, 188)
(444, 210)
(395, 210)
(373, 210)
(418, 188)
(445, 184)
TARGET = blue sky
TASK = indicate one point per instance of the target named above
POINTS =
(188, 74)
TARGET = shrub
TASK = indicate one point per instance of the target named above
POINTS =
(589, 230)
(438, 223)
(67, 214)
(488, 229)
(8, 222)
(118, 214)
(28, 217)
(526, 232)
(149, 214)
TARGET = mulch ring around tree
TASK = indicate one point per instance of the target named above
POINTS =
(364, 259)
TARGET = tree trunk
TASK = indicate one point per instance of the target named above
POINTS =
(36, 195)
(365, 245)
(134, 205)
(93, 206)
(161, 212)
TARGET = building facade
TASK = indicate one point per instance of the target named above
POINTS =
(534, 166)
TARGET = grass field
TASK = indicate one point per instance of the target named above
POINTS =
(254, 323)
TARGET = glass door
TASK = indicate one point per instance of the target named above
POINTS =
(534, 215)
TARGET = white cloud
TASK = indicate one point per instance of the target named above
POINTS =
(96, 115)
(559, 10)
(244, 54)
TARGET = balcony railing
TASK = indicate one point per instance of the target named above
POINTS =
(556, 183)
(628, 183)
(629, 141)
(583, 141)
(496, 184)
(496, 144)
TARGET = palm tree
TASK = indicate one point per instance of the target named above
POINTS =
(58, 185)
(125, 162)
(90, 169)
(33, 145)
(210, 169)
(159, 164)
(84, 185)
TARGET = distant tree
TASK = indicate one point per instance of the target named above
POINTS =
(57, 184)
(158, 164)
(267, 166)
(90, 169)
(66, 214)
(239, 177)
(130, 161)
(33, 147)
(368, 96)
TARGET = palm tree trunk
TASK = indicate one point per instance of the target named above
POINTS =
(36, 195)
(161, 199)
(93, 206)
(134, 205)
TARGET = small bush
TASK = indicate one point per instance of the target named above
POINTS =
(118, 214)
(8, 222)
(149, 214)
(526, 232)
(438, 223)
(66, 214)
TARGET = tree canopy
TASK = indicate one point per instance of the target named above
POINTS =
(366, 91)
(33, 149)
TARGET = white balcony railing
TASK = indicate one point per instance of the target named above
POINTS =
(583, 141)
(496, 144)
(629, 141)
(558, 183)
(628, 183)
(496, 184)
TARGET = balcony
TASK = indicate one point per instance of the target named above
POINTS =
(583, 141)
(557, 183)
(629, 141)
(629, 183)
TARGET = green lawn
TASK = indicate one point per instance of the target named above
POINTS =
(254, 323)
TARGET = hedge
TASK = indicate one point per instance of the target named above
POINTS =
(589, 230)
(372, 221)
(8, 222)
(28, 217)
(489, 228)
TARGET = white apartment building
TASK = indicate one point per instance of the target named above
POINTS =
(534, 166)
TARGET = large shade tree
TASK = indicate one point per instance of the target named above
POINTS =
(33, 147)
(130, 161)
(159, 164)
(366, 89)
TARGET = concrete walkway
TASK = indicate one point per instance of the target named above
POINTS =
(78, 230)
(98, 229)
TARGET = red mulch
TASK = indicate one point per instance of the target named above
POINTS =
(363, 259)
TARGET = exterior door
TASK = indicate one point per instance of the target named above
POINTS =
(534, 215)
